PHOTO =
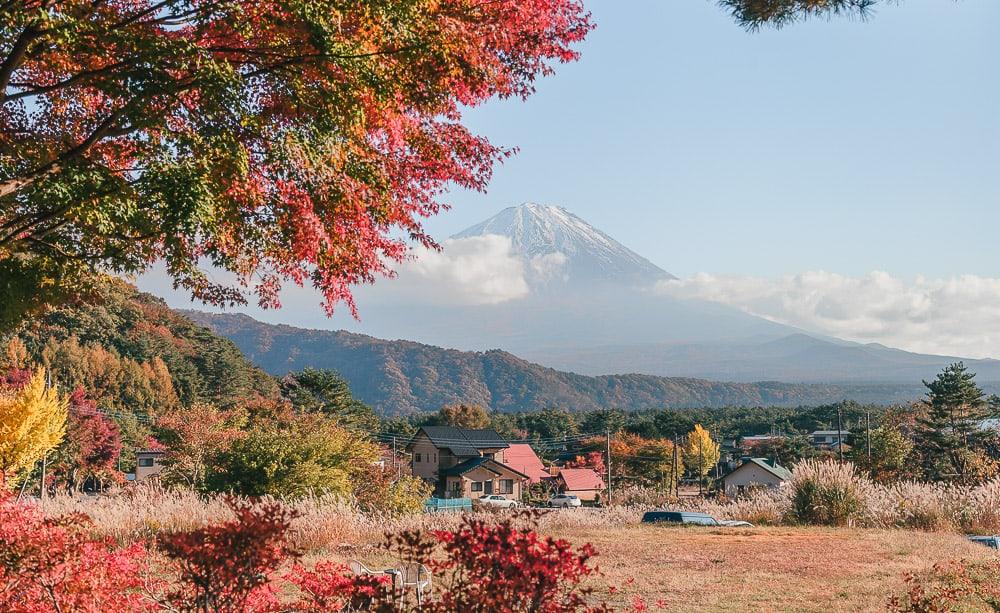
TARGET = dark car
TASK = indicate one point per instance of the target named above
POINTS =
(695, 519)
(993, 542)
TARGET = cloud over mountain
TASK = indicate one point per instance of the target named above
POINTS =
(957, 315)
(466, 271)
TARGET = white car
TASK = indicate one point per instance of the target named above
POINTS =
(564, 501)
(495, 500)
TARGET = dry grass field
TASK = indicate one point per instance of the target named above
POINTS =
(681, 568)
(749, 570)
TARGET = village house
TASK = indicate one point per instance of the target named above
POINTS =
(521, 457)
(584, 483)
(755, 473)
(826, 439)
(465, 463)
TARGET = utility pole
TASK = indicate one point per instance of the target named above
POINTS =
(701, 461)
(840, 431)
(395, 460)
(45, 458)
(675, 470)
(41, 489)
(868, 429)
(609, 467)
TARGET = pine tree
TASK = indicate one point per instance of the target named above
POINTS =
(326, 392)
(32, 422)
(949, 436)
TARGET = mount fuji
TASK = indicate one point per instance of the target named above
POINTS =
(553, 240)
(584, 304)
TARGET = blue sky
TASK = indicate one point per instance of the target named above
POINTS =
(840, 176)
(837, 145)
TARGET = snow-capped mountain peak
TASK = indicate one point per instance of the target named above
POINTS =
(551, 236)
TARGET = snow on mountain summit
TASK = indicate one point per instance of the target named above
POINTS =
(547, 235)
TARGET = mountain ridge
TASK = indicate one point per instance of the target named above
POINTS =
(401, 376)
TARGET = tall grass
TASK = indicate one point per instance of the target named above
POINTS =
(835, 494)
(818, 493)
(324, 522)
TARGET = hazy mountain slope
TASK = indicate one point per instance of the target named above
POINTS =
(404, 376)
(793, 358)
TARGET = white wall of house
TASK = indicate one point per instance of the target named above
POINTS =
(147, 465)
(748, 476)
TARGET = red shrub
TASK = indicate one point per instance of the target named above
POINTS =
(501, 567)
(330, 588)
(229, 567)
(54, 566)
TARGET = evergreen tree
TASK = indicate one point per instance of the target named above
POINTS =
(325, 391)
(754, 14)
(949, 435)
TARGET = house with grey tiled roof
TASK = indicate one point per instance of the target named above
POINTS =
(464, 462)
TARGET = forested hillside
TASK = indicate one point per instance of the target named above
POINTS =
(133, 354)
(406, 377)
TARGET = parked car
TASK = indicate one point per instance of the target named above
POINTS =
(496, 500)
(695, 519)
(564, 501)
(993, 542)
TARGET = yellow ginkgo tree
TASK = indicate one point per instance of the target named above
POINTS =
(701, 453)
(32, 422)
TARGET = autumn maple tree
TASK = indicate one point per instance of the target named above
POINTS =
(279, 140)
(91, 447)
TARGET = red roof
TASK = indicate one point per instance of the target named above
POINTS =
(577, 479)
(521, 457)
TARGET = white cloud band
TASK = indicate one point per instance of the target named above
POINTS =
(957, 316)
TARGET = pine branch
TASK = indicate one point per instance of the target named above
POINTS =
(755, 14)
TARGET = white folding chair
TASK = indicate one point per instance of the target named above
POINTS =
(358, 568)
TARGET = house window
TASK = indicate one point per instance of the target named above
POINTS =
(146, 462)
(506, 486)
(416, 457)
(477, 486)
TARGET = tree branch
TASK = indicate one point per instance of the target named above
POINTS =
(106, 127)
(16, 56)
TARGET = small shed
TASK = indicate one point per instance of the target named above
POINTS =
(755, 473)
(148, 464)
